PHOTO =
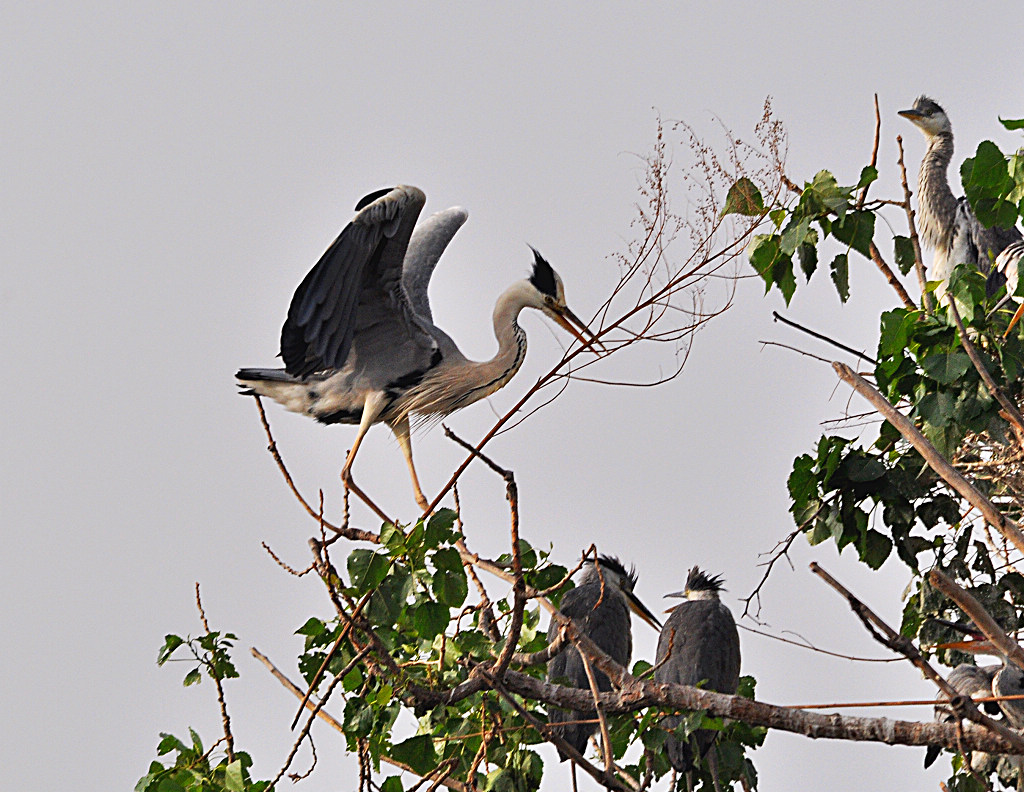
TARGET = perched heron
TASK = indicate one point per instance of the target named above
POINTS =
(981, 682)
(600, 605)
(699, 644)
(360, 345)
(948, 224)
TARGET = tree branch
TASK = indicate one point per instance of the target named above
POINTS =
(935, 460)
(977, 614)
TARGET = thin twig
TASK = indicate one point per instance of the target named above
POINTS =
(874, 154)
(335, 724)
(825, 338)
(225, 720)
(346, 531)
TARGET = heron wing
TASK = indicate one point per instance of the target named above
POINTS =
(985, 244)
(428, 242)
(361, 269)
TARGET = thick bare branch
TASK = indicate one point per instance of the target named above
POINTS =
(1009, 529)
(977, 614)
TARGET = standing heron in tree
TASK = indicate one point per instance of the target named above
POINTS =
(948, 224)
(360, 346)
(699, 644)
(600, 606)
(981, 682)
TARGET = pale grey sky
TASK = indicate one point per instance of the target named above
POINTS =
(170, 172)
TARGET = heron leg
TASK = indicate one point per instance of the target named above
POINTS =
(402, 435)
(372, 407)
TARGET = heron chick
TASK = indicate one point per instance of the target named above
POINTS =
(600, 606)
(699, 646)
(948, 224)
(360, 345)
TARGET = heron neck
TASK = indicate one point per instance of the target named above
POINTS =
(935, 198)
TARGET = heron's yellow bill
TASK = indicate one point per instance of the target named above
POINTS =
(567, 320)
(641, 610)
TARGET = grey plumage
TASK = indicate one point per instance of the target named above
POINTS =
(981, 682)
(946, 223)
(600, 605)
(968, 680)
(359, 343)
(705, 648)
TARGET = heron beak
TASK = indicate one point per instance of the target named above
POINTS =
(567, 320)
(640, 610)
(1013, 322)
(971, 647)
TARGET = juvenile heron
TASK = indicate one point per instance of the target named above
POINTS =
(699, 644)
(980, 682)
(600, 605)
(360, 346)
(948, 224)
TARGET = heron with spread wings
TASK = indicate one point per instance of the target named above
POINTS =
(360, 345)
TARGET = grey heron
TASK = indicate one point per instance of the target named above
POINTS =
(948, 224)
(360, 345)
(980, 682)
(600, 605)
(699, 644)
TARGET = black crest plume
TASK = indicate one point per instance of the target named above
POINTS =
(543, 276)
(701, 581)
(613, 564)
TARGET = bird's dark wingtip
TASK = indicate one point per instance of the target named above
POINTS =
(366, 200)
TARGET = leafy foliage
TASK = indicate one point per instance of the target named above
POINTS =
(882, 495)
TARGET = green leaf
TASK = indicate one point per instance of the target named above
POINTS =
(358, 720)
(1012, 124)
(417, 752)
(193, 677)
(808, 256)
(439, 527)
(841, 276)
(312, 627)
(822, 195)
(856, 229)
(946, 367)
(867, 175)
(775, 268)
(447, 558)
(794, 236)
(367, 569)
(874, 548)
(451, 587)
(904, 250)
(392, 784)
(234, 776)
(430, 620)
(743, 198)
